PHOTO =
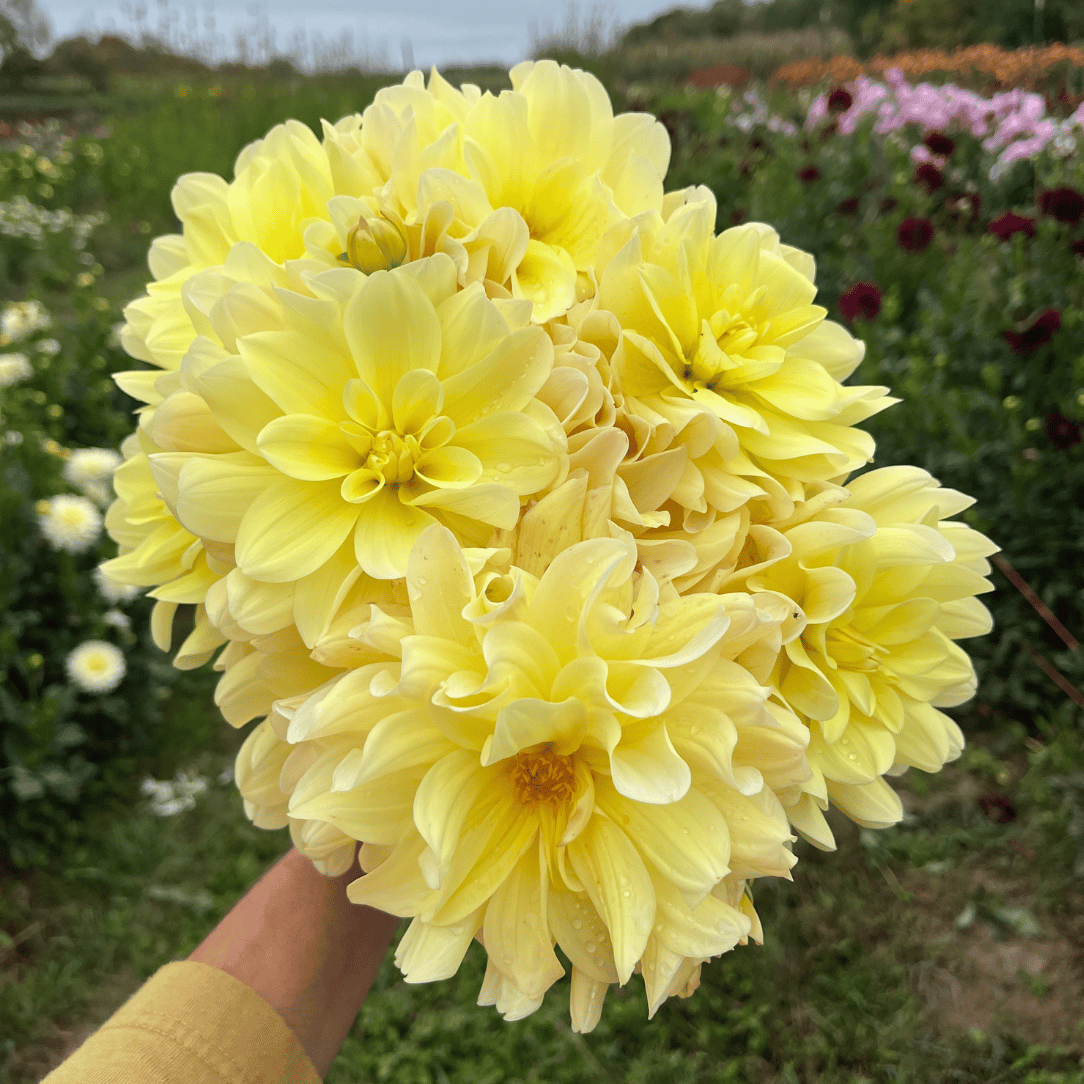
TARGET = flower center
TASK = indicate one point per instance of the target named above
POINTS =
(724, 340)
(852, 650)
(543, 776)
(392, 456)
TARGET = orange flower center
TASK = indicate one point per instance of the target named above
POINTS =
(543, 776)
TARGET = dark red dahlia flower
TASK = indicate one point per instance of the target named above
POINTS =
(1077, 247)
(737, 216)
(889, 204)
(915, 234)
(1064, 204)
(808, 174)
(1038, 335)
(1009, 223)
(929, 176)
(1062, 431)
(862, 300)
(840, 100)
(848, 206)
(940, 144)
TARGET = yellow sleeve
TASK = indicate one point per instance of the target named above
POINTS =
(190, 1024)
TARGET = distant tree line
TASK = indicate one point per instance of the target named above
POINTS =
(879, 26)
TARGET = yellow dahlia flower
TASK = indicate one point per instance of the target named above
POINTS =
(724, 353)
(552, 151)
(546, 760)
(886, 583)
(384, 404)
(282, 183)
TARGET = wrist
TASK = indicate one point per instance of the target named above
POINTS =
(297, 941)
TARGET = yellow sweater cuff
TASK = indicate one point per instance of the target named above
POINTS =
(190, 1024)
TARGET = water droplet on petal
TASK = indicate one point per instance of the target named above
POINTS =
(590, 946)
(626, 893)
(504, 468)
(577, 924)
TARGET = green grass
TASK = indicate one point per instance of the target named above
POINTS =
(946, 949)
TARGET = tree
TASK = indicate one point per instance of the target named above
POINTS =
(22, 25)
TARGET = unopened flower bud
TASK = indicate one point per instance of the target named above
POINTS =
(376, 244)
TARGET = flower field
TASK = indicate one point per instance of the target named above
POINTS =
(947, 230)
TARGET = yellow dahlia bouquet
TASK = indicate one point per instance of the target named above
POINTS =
(521, 510)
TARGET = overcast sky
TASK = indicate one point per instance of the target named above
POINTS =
(431, 31)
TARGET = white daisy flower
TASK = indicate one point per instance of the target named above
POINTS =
(22, 318)
(96, 666)
(70, 523)
(13, 368)
(90, 465)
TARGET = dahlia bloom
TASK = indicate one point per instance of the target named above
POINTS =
(886, 582)
(722, 345)
(359, 418)
(512, 505)
(566, 759)
(862, 300)
(552, 151)
(1009, 223)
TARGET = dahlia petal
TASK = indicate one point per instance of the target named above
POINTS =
(428, 953)
(240, 407)
(396, 885)
(649, 769)
(449, 468)
(300, 375)
(471, 328)
(404, 739)
(687, 841)
(444, 799)
(709, 928)
(504, 380)
(809, 822)
(872, 805)
(306, 447)
(619, 886)
(391, 328)
(527, 722)
(378, 812)
(482, 502)
(418, 396)
(586, 998)
(385, 534)
(215, 494)
(291, 529)
(508, 835)
(582, 935)
(516, 932)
